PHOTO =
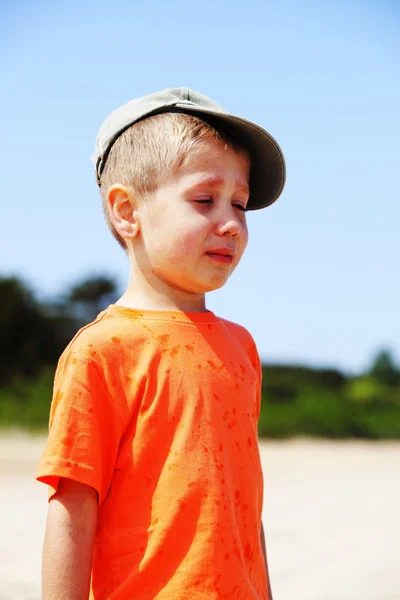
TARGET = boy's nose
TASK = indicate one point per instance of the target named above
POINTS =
(229, 225)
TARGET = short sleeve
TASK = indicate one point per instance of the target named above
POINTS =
(257, 365)
(85, 428)
(254, 358)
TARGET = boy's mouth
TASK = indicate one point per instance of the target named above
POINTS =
(222, 255)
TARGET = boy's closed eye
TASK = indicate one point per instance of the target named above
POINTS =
(209, 201)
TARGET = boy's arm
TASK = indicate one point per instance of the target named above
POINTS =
(68, 543)
(266, 563)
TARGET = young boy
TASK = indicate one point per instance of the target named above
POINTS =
(152, 459)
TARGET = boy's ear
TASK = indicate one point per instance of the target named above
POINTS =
(122, 212)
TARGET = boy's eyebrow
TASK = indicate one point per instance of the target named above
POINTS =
(213, 181)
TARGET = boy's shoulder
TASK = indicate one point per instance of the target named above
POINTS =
(95, 338)
(238, 329)
(240, 332)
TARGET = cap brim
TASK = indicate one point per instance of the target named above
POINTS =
(268, 171)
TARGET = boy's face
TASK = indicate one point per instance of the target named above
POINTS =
(193, 229)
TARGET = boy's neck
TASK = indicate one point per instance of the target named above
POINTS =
(143, 295)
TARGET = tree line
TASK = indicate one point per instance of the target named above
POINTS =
(296, 400)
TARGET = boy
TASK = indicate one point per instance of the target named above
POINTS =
(152, 458)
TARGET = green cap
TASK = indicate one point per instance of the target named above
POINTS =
(267, 174)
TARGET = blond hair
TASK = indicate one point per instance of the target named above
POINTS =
(146, 154)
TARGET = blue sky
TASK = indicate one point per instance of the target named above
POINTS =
(319, 283)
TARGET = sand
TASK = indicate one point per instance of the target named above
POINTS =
(331, 516)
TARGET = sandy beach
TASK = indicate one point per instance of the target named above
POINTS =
(331, 516)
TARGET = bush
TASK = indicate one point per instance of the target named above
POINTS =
(26, 402)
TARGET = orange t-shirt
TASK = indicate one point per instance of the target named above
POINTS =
(158, 410)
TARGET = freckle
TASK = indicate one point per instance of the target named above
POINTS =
(221, 447)
(226, 415)
(237, 445)
(128, 379)
(212, 364)
(155, 521)
(249, 442)
(205, 450)
(163, 338)
(68, 463)
(243, 369)
(191, 483)
(76, 465)
(234, 411)
(227, 555)
(236, 374)
(237, 494)
(232, 424)
(93, 353)
(116, 340)
(90, 411)
(209, 326)
(237, 386)
(90, 345)
(222, 481)
(220, 467)
(189, 347)
(218, 399)
(225, 507)
(174, 351)
(74, 361)
(199, 367)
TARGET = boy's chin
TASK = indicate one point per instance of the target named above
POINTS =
(212, 286)
(201, 285)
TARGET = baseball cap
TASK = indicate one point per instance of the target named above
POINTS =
(267, 173)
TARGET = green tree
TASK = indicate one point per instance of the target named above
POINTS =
(384, 369)
(89, 297)
(28, 339)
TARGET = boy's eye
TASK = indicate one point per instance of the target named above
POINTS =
(204, 201)
(209, 201)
